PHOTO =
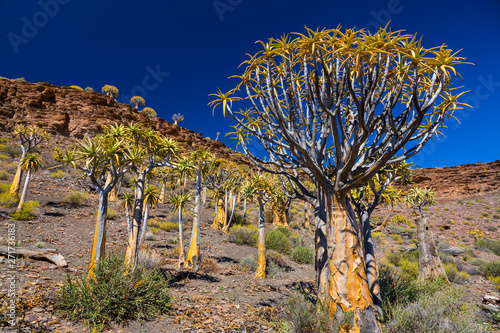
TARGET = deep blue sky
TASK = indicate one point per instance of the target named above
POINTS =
(93, 43)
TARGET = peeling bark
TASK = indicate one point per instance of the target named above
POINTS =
(220, 213)
(193, 252)
(99, 244)
(429, 263)
(261, 268)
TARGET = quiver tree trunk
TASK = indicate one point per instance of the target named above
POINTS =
(99, 245)
(220, 211)
(16, 183)
(343, 283)
(25, 190)
(162, 192)
(193, 252)
(280, 214)
(182, 255)
(261, 268)
(429, 263)
(133, 240)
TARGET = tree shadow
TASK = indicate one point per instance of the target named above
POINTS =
(53, 214)
(175, 278)
(227, 259)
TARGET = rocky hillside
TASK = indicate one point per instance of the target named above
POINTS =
(69, 112)
(462, 180)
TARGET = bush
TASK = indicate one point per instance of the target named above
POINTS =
(489, 244)
(12, 151)
(59, 174)
(76, 87)
(397, 238)
(243, 235)
(114, 295)
(4, 174)
(495, 280)
(208, 265)
(111, 213)
(491, 268)
(303, 255)
(76, 198)
(306, 317)
(275, 257)
(167, 226)
(26, 211)
(399, 219)
(278, 241)
(284, 230)
(378, 237)
(440, 311)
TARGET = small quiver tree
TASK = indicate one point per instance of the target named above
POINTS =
(95, 157)
(179, 200)
(30, 136)
(109, 90)
(137, 101)
(429, 263)
(177, 118)
(149, 112)
(201, 158)
(31, 163)
(340, 105)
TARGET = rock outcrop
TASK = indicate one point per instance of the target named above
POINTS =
(74, 113)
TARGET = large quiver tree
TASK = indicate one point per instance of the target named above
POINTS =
(340, 105)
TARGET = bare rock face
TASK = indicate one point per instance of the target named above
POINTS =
(74, 113)
(457, 181)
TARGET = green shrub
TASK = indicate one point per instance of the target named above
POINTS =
(89, 89)
(167, 226)
(275, 257)
(489, 244)
(477, 262)
(26, 211)
(3, 157)
(306, 317)
(284, 230)
(76, 198)
(396, 228)
(491, 268)
(243, 235)
(111, 213)
(495, 280)
(12, 151)
(59, 174)
(39, 245)
(397, 238)
(495, 216)
(303, 255)
(378, 237)
(3, 140)
(114, 295)
(7, 200)
(20, 79)
(278, 241)
(4, 174)
(399, 219)
(440, 311)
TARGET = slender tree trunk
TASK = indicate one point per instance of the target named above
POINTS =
(429, 263)
(307, 217)
(145, 223)
(371, 263)
(25, 190)
(127, 214)
(343, 282)
(133, 240)
(245, 210)
(220, 216)
(228, 224)
(98, 247)
(204, 200)
(162, 192)
(193, 252)
(182, 256)
(16, 183)
(261, 269)
(280, 216)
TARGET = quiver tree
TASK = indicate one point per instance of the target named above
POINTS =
(340, 105)
(127, 203)
(179, 200)
(177, 118)
(260, 185)
(110, 91)
(151, 150)
(137, 101)
(31, 163)
(200, 158)
(94, 157)
(149, 112)
(429, 263)
(30, 136)
(151, 197)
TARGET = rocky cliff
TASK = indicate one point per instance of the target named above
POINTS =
(69, 112)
